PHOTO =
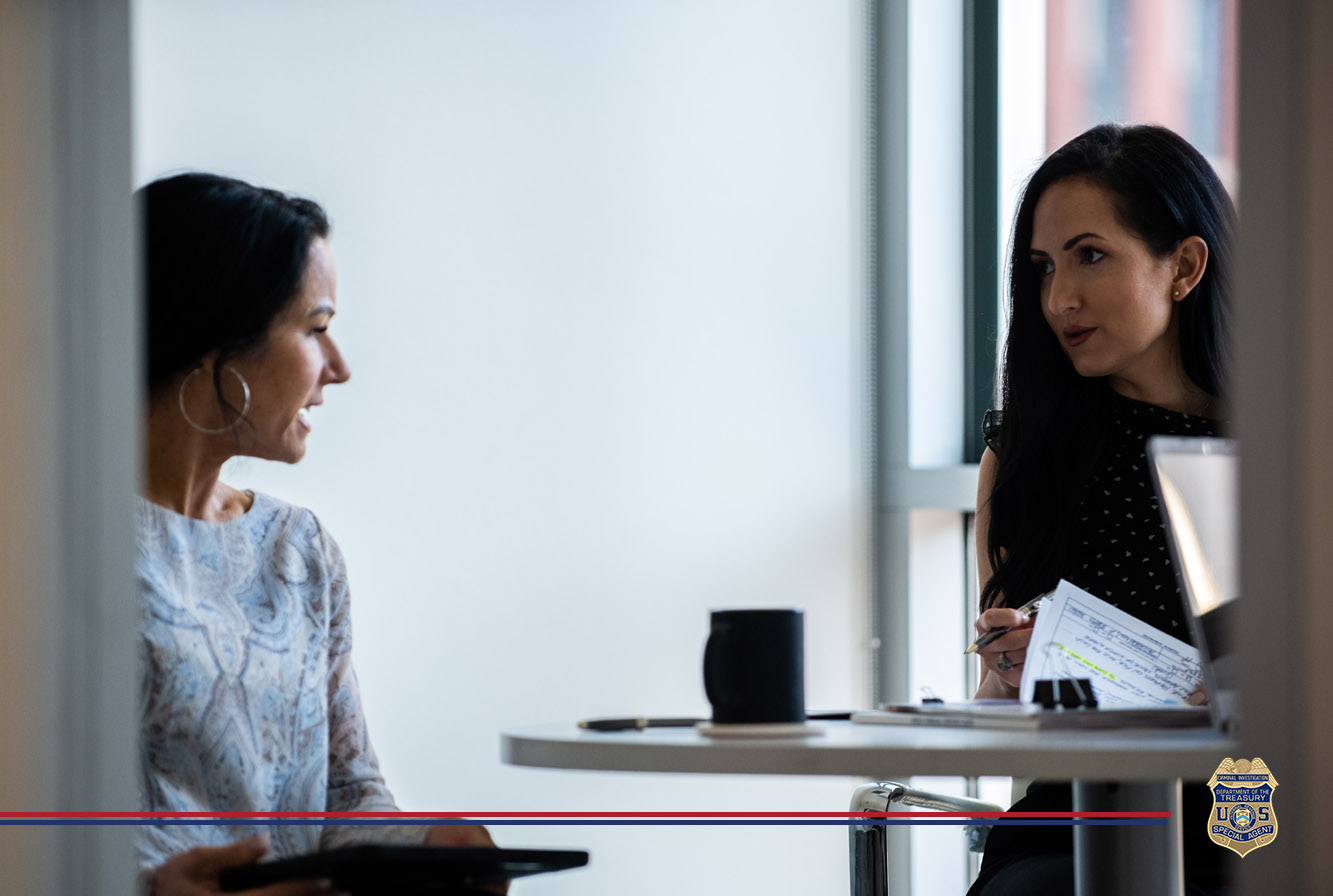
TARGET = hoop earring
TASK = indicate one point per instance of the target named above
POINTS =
(245, 409)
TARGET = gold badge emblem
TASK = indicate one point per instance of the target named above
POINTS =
(1243, 818)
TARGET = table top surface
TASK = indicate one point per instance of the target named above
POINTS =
(880, 751)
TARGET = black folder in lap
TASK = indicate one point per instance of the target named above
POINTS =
(377, 870)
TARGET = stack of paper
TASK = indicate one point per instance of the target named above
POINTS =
(1141, 676)
(1129, 662)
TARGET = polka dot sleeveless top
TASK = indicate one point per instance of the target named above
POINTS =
(1121, 552)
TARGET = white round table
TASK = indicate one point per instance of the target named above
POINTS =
(1112, 771)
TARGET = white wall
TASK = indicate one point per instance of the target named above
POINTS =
(600, 292)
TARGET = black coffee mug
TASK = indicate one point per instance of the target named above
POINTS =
(754, 666)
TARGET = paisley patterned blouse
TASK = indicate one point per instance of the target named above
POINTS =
(248, 701)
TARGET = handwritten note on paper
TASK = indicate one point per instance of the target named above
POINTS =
(1129, 662)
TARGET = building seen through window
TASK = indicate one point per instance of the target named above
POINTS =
(1170, 62)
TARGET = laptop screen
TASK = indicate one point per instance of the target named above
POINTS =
(1197, 481)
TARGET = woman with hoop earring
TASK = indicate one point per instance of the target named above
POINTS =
(248, 699)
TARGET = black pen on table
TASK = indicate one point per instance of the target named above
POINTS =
(639, 723)
(985, 638)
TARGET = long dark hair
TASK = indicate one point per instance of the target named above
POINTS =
(1054, 422)
(222, 259)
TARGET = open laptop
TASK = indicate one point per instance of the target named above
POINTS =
(1197, 480)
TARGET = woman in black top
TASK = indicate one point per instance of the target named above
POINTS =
(1118, 329)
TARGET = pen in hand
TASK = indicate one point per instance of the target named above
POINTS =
(1028, 609)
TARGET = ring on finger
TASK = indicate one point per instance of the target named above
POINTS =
(1003, 663)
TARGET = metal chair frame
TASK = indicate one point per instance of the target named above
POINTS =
(868, 843)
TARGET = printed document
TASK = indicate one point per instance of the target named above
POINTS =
(1129, 662)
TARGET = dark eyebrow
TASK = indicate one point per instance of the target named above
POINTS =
(323, 308)
(1072, 241)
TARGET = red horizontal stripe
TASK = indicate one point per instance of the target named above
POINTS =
(409, 816)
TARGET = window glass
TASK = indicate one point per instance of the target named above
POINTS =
(1170, 62)
(1066, 65)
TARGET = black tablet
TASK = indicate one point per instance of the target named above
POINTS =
(405, 870)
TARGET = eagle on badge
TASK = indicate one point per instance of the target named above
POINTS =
(1243, 818)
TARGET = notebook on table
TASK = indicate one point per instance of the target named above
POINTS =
(1012, 715)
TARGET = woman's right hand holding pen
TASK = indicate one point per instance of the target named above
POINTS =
(1003, 657)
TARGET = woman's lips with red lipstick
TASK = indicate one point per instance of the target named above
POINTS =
(1076, 336)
